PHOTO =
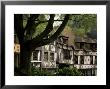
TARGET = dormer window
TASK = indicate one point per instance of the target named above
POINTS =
(93, 46)
(65, 41)
(81, 45)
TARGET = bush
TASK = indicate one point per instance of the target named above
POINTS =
(66, 71)
(40, 72)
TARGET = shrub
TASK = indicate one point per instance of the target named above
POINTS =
(66, 71)
(40, 72)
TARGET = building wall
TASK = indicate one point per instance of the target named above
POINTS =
(57, 50)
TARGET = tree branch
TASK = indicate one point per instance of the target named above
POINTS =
(31, 23)
(42, 42)
(47, 30)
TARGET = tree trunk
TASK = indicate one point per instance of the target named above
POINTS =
(25, 58)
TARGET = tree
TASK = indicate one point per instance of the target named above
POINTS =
(83, 23)
(27, 41)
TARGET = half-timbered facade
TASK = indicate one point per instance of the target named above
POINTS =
(82, 55)
(85, 55)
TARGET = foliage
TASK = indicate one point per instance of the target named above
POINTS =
(92, 34)
(40, 72)
(79, 32)
(66, 71)
(83, 23)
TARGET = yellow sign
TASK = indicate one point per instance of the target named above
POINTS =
(17, 48)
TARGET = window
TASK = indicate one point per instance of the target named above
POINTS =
(52, 56)
(81, 45)
(87, 46)
(93, 46)
(95, 60)
(65, 41)
(45, 56)
(66, 54)
(82, 59)
(35, 55)
(75, 59)
(91, 59)
(59, 39)
(78, 45)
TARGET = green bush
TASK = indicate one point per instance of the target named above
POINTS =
(40, 72)
(66, 71)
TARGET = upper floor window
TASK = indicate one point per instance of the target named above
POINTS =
(91, 59)
(75, 59)
(65, 41)
(45, 56)
(95, 60)
(93, 46)
(77, 45)
(52, 56)
(66, 54)
(82, 59)
(81, 45)
(35, 55)
(87, 46)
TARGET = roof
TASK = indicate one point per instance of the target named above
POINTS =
(39, 48)
(65, 37)
(85, 40)
(90, 40)
(79, 39)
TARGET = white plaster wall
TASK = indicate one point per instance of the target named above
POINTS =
(87, 66)
(48, 64)
(52, 48)
(84, 66)
(64, 47)
(92, 53)
(78, 59)
(94, 59)
(86, 59)
(46, 47)
(71, 53)
(60, 55)
(39, 56)
(77, 66)
(55, 56)
(78, 52)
